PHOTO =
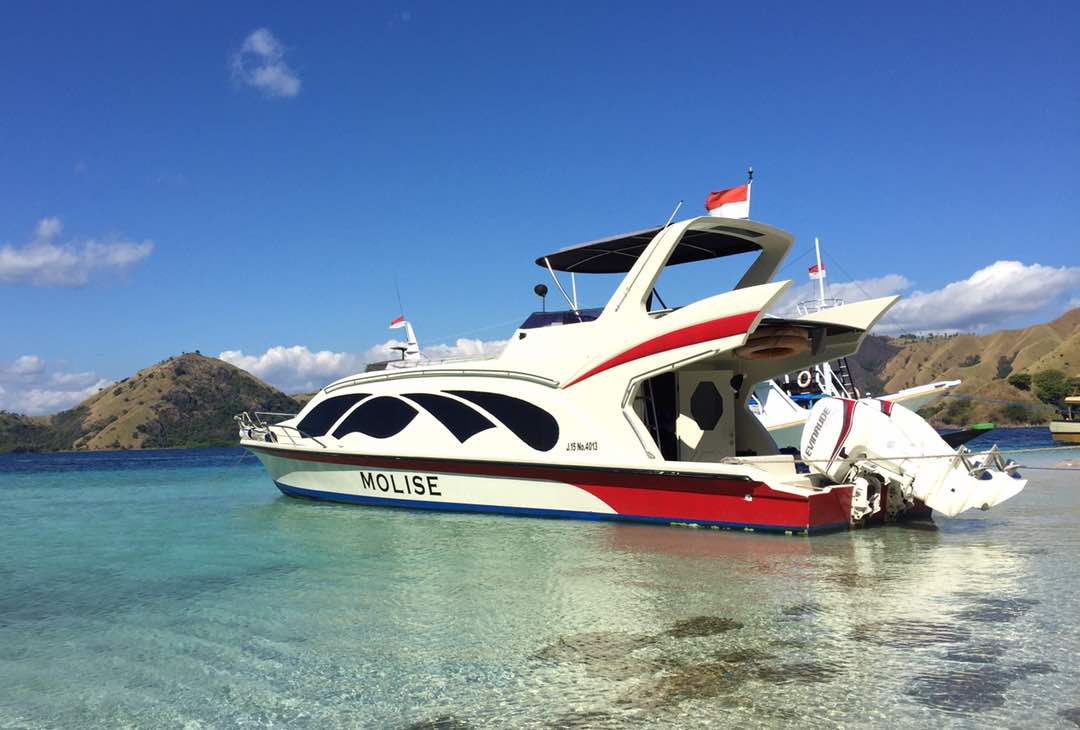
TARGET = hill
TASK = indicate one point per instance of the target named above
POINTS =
(985, 364)
(184, 401)
(189, 400)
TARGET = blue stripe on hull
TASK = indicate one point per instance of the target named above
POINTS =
(535, 512)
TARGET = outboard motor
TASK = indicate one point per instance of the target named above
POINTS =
(874, 443)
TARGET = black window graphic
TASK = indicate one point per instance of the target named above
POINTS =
(459, 419)
(532, 424)
(380, 417)
(706, 405)
(323, 415)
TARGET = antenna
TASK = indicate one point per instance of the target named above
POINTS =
(630, 285)
(397, 290)
(672, 216)
(749, 174)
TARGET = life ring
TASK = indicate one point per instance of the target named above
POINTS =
(776, 342)
(804, 383)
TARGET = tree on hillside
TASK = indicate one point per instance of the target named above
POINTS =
(958, 412)
(1004, 367)
(1021, 381)
(1051, 386)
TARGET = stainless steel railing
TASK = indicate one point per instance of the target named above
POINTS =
(254, 425)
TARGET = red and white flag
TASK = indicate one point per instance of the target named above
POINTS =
(398, 322)
(817, 271)
(730, 203)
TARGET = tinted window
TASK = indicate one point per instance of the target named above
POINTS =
(549, 319)
(531, 424)
(319, 420)
(380, 417)
(459, 419)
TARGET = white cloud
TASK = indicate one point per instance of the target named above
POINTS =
(465, 347)
(26, 387)
(49, 228)
(987, 299)
(27, 365)
(260, 63)
(44, 262)
(44, 401)
(297, 369)
(74, 380)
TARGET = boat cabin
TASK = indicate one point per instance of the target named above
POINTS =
(694, 408)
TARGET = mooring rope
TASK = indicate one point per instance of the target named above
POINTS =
(969, 454)
(226, 470)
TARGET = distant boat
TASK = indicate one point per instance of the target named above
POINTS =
(1067, 428)
(961, 436)
(410, 351)
(783, 404)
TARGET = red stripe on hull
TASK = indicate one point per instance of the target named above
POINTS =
(641, 493)
(765, 507)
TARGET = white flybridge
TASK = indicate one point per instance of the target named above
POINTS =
(621, 413)
(783, 403)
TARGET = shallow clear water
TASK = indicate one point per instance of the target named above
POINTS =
(179, 589)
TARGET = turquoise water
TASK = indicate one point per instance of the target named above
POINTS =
(180, 589)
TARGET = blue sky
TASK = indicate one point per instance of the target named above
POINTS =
(244, 192)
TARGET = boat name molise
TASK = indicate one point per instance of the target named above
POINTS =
(406, 484)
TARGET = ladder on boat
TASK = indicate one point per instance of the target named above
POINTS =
(843, 374)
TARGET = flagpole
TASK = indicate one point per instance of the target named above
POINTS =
(820, 273)
(749, 184)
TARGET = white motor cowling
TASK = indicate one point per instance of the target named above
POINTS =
(869, 442)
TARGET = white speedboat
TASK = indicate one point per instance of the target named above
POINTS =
(627, 413)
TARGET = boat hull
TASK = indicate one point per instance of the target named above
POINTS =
(1068, 431)
(564, 491)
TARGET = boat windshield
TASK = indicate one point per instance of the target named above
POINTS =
(677, 286)
(555, 319)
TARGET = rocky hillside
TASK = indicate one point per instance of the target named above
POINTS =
(988, 365)
(184, 401)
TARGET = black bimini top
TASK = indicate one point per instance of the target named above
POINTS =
(616, 255)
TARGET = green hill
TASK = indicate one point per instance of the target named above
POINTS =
(183, 401)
